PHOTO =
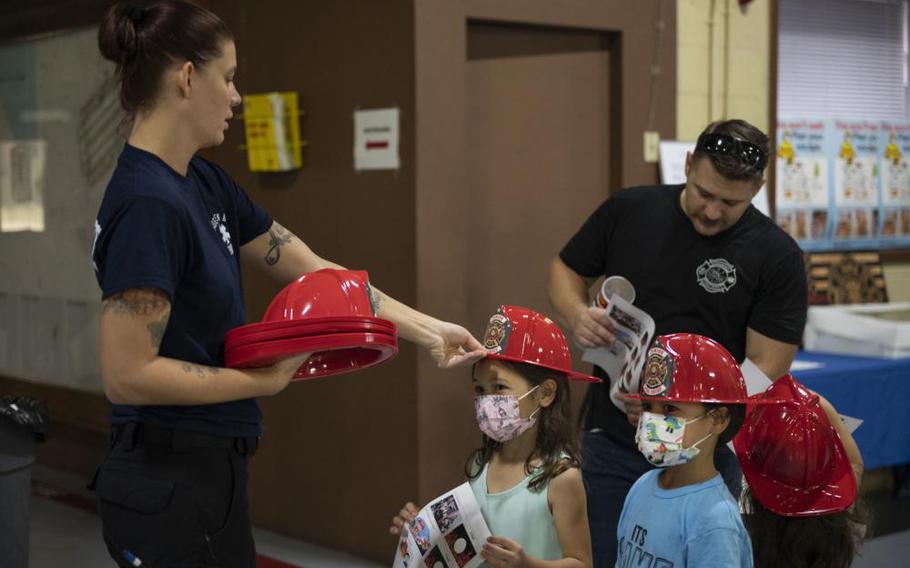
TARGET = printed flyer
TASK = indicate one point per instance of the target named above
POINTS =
(447, 533)
(625, 358)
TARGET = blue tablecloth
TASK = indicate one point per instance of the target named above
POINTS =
(874, 390)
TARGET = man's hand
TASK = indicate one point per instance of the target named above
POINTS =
(591, 327)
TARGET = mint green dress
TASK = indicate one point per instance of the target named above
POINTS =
(521, 515)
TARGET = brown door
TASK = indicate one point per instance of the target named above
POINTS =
(537, 130)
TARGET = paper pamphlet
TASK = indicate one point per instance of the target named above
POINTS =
(756, 380)
(624, 360)
(850, 422)
(449, 532)
(805, 365)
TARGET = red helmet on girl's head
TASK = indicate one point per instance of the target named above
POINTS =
(522, 335)
(791, 456)
(685, 367)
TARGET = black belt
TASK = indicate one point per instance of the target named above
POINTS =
(134, 434)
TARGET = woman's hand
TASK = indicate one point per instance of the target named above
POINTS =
(453, 346)
(501, 552)
(279, 375)
(406, 515)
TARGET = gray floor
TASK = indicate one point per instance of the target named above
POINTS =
(61, 533)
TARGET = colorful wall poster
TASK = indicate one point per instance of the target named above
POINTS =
(803, 192)
(894, 159)
(855, 146)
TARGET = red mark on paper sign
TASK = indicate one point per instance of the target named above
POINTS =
(377, 145)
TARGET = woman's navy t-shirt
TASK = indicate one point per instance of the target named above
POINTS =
(182, 235)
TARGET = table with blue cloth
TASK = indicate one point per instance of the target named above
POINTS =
(875, 390)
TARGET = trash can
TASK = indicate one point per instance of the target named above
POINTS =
(23, 421)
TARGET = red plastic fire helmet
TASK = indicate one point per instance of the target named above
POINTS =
(327, 313)
(323, 293)
(686, 367)
(522, 335)
(791, 455)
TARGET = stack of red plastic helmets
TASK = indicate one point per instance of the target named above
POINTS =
(328, 313)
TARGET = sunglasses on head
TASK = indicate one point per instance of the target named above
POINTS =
(722, 144)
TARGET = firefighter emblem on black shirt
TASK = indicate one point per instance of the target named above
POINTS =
(716, 275)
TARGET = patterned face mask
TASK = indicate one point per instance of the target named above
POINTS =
(660, 439)
(499, 417)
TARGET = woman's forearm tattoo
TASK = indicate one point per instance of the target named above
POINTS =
(376, 297)
(201, 371)
(278, 237)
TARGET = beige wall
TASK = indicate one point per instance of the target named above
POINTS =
(714, 82)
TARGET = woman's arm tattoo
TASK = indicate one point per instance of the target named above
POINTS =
(199, 370)
(156, 329)
(142, 303)
(376, 297)
(278, 237)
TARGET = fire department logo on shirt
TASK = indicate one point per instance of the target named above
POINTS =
(658, 372)
(95, 243)
(716, 275)
(218, 223)
(497, 335)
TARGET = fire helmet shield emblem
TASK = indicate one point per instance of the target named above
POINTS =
(497, 336)
(658, 372)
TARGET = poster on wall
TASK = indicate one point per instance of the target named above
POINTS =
(894, 159)
(803, 193)
(844, 184)
(855, 146)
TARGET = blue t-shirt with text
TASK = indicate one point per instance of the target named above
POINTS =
(696, 525)
(180, 234)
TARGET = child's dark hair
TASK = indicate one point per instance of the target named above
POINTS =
(828, 541)
(557, 446)
(737, 415)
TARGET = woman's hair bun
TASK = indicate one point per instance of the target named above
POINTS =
(118, 36)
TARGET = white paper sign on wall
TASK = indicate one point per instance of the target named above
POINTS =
(376, 139)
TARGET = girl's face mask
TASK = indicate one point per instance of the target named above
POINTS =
(499, 416)
(660, 439)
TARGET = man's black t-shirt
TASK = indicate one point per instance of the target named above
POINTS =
(750, 275)
(182, 235)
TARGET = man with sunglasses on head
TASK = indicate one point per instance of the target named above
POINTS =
(702, 260)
